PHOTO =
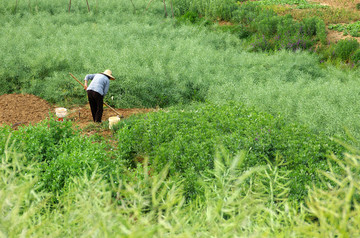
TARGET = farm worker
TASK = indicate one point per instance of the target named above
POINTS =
(96, 91)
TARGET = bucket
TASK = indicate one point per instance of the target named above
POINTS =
(113, 121)
(61, 112)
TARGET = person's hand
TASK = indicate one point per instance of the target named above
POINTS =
(85, 87)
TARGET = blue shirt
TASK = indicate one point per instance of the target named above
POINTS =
(99, 83)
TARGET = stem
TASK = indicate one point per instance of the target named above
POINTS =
(133, 5)
(172, 10)
(148, 5)
(69, 5)
(165, 9)
(15, 6)
(87, 2)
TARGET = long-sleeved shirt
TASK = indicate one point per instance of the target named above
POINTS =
(99, 83)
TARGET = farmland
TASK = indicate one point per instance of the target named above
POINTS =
(240, 119)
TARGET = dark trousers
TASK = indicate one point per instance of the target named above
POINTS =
(96, 101)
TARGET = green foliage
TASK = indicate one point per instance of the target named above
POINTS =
(192, 17)
(151, 204)
(248, 12)
(300, 4)
(237, 30)
(187, 139)
(273, 32)
(216, 9)
(352, 29)
(159, 64)
(344, 49)
(355, 57)
(61, 153)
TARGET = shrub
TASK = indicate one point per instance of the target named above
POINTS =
(355, 57)
(187, 140)
(216, 9)
(345, 48)
(321, 31)
(189, 16)
(238, 30)
(268, 26)
(273, 32)
(247, 13)
(60, 153)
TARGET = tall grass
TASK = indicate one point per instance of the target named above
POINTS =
(160, 63)
(212, 9)
(245, 204)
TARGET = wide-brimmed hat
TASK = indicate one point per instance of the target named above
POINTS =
(109, 74)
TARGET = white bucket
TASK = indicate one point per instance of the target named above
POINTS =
(113, 121)
(61, 112)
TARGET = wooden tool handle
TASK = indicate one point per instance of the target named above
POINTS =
(77, 80)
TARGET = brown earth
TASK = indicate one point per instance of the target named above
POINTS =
(23, 109)
(350, 5)
(345, 11)
(335, 36)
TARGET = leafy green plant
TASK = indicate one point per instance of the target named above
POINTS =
(352, 29)
(254, 202)
(355, 57)
(300, 4)
(186, 139)
(217, 9)
(61, 153)
(345, 48)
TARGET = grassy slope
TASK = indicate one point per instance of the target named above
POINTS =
(283, 83)
(159, 64)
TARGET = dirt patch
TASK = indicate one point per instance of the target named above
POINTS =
(23, 109)
(16, 109)
(350, 5)
(335, 36)
(82, 115)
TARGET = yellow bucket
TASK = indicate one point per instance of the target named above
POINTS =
(113, 121)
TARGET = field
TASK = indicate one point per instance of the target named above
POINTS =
(239, 119)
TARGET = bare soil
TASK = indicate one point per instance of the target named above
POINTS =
(345, 4)
(23, 109)
(335, 36)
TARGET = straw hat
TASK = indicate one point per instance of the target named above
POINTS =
(109, 74)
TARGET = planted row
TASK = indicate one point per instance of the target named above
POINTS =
(60, 153)
(187, 139)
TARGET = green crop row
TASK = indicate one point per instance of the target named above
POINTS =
(300, 4)
(160, 63)
(264, 30)
(59, 152)
(250, 204)
(187, 139)
(352, 29)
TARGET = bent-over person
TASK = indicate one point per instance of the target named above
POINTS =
(98, 88)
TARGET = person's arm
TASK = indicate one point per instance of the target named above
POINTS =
(107, 85)
(87, 78)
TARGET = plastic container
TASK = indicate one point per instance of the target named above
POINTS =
(113, 121)
(61, 112)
